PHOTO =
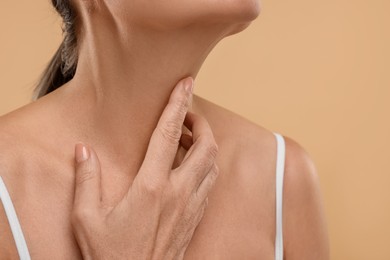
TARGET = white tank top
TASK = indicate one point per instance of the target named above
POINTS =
(280, 159)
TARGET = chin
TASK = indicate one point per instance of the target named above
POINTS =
(238, 11)
(247, 10)
(175, 14)
(241, 13)
(238, 28)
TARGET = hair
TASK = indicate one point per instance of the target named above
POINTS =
(62, 66)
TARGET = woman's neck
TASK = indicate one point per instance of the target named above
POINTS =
(124, 80)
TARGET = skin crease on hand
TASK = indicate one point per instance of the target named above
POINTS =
(131, 55)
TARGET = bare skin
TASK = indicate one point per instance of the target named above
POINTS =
(238, 222)
(114, 102)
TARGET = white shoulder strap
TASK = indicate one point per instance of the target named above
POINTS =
(14, 222)
(280, 159)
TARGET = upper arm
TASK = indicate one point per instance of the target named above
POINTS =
(304, 225)
(7, 243)
(7, 154)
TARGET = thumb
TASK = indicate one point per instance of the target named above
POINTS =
(87, 179)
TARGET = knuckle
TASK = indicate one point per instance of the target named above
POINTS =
(198, 197)
(214, 174)
(211, 150)
(171, 132)
(215, 171)
(81, 216)
(153, 188)
(180, 104)
(86, 174)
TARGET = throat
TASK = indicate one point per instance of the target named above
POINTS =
(123, 83)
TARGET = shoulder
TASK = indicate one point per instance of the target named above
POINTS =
(19, 144)
(254, 141)
(301, 182)
(304, 216)
(247, 162)
(234, 129)
(8, 144)
(254, 149)
(300, 170)
(246, 149)
(12, 146)
(9, 161)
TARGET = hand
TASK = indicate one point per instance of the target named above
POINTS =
(158, 215)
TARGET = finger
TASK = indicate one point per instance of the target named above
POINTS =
(207, 184)
(202, 154)
(185, 144)
(87, 179)
(165, 138)
(186, 141)
(202, 135)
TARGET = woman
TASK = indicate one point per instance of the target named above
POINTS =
(121, 61)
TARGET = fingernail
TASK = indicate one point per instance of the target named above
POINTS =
(82, 153)
(189, 84)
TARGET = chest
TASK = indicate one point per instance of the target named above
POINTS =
(227, 231)
(221, 236)
(238, 222)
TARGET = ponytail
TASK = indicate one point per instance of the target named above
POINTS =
(62, 66)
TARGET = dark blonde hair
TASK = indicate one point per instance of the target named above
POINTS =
(62, 66)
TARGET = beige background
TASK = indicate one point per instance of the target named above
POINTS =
(317, 71)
